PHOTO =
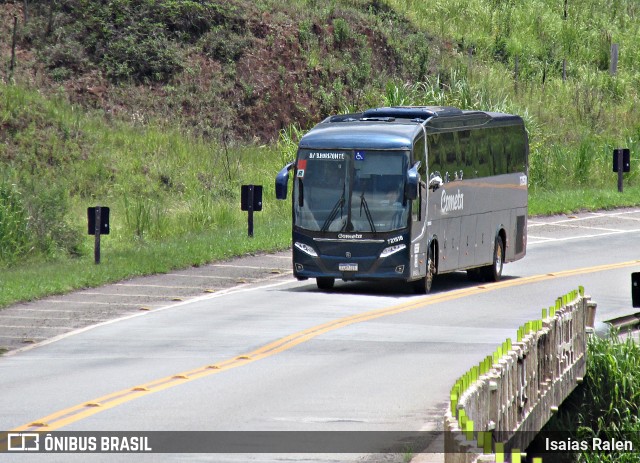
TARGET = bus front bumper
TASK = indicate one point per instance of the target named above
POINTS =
(354, 268)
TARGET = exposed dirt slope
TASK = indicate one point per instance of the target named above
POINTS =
(240, 68)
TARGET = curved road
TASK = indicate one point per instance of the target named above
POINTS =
(279, 355)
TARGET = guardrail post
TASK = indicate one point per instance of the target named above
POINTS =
(96, 246)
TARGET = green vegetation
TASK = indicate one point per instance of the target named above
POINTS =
(606, 405)
(573, 123)
(174, 200)
(161, 110)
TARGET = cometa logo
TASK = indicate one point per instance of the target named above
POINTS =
(344, 236)
(450, 203)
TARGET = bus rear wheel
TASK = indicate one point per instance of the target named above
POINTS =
(325, 283)
(493, 272)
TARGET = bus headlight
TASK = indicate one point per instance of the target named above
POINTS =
(306, 249)
(386, 252)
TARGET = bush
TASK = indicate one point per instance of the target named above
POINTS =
(14, 233)
(341, 31)
(47, 205)
(142, 57)
(224, 44)
(33, 221)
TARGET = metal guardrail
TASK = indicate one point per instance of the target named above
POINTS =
(625, 323)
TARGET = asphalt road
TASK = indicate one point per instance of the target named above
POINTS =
(24, 325)
(268, 353)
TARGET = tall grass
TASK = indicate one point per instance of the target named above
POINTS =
(13, 223)
(562, 157)
(160, 184)
(573, 124)
(536, 31)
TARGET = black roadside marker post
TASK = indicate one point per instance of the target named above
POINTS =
(250, 201)
(98, 218)
(621, 163)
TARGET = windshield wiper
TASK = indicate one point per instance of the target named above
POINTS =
(363, 203)
(334, 212)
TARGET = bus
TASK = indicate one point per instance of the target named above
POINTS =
(407, 193)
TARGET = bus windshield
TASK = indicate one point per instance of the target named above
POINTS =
(351, 191)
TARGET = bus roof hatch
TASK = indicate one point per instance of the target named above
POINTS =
(412, 112)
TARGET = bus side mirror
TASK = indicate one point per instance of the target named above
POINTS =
(282, 180)
(435, 181)
(413, 182)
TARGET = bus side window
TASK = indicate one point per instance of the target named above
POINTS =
(418, 155)
(465, 155)
(451, 151)
(485, 165)
(509, 149)
(497, 152)
(443, 155)
(434, 153)
(516, 149)
(471, 154)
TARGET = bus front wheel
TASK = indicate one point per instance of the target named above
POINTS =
(325, 282)
(424, 285)
(493, 272)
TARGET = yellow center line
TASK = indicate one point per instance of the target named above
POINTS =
(87, 409)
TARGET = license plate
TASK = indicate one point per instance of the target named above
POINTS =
(348, 267)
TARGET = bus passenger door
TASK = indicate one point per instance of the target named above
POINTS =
(418, 251)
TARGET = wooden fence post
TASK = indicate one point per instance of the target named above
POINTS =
(613, 67)
(12, 65)
(515, 75)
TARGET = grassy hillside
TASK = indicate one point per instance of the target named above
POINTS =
(161, 110)
(240, 68)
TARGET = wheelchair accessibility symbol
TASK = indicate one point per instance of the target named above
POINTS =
(359, 156)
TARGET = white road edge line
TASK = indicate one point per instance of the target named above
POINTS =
(580, 227)
(596, 215)
(569, 238)
(530, 237)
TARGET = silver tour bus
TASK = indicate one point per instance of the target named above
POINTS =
(407, 193)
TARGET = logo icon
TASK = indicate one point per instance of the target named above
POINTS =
(23, 442)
